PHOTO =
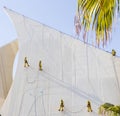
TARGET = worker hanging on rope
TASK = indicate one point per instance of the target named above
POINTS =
(113, 52)
(61, 106)
(26, 62)
(89, 106)
(40, 65)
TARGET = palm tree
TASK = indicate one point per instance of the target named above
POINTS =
(97, 15)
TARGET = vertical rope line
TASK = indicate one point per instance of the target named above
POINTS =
(21, 104)
(43, 105)
(61, 57)
(27, 34)
(32, 105)
(29, 39)
(42, 35)
(99, 79)
(48, 97)
(28, 53)
(73, 70)
(35, 106)
(88, 72)
(74, 62)
(96, 67)
(116, 76)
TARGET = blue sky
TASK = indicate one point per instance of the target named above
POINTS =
(58, 14)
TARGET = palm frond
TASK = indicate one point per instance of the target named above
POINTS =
(98, 14)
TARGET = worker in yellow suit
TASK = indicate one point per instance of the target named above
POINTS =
(26, 62)
(113, 52)
(40, 65)
(61, 105)
(89, 106)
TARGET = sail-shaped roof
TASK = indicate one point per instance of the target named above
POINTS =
(7, 56)
(72, 71)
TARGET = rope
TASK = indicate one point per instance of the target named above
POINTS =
(67, 110)
(28, 51)
(74, 62)
(47, 94)
(43, 106)
(27, 77)
(72, 88)
(64, 84)
(79, 111)
(34, 103)
(99, 79)
(32, 107)
(68, 86)
(61, 58)
(88, 73)
(116, 76)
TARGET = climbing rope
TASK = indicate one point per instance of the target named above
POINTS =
(116, 76)
(72, 88)
(88, 73)
(60, 82)
(70, 111)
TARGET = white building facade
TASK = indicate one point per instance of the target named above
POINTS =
(72, 71)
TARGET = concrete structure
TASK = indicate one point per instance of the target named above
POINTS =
(7, 56)
(71, 70)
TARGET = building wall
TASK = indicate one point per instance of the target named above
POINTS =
(72, 71)
(7, 55)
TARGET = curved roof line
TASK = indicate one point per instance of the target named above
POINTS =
(60, 31)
